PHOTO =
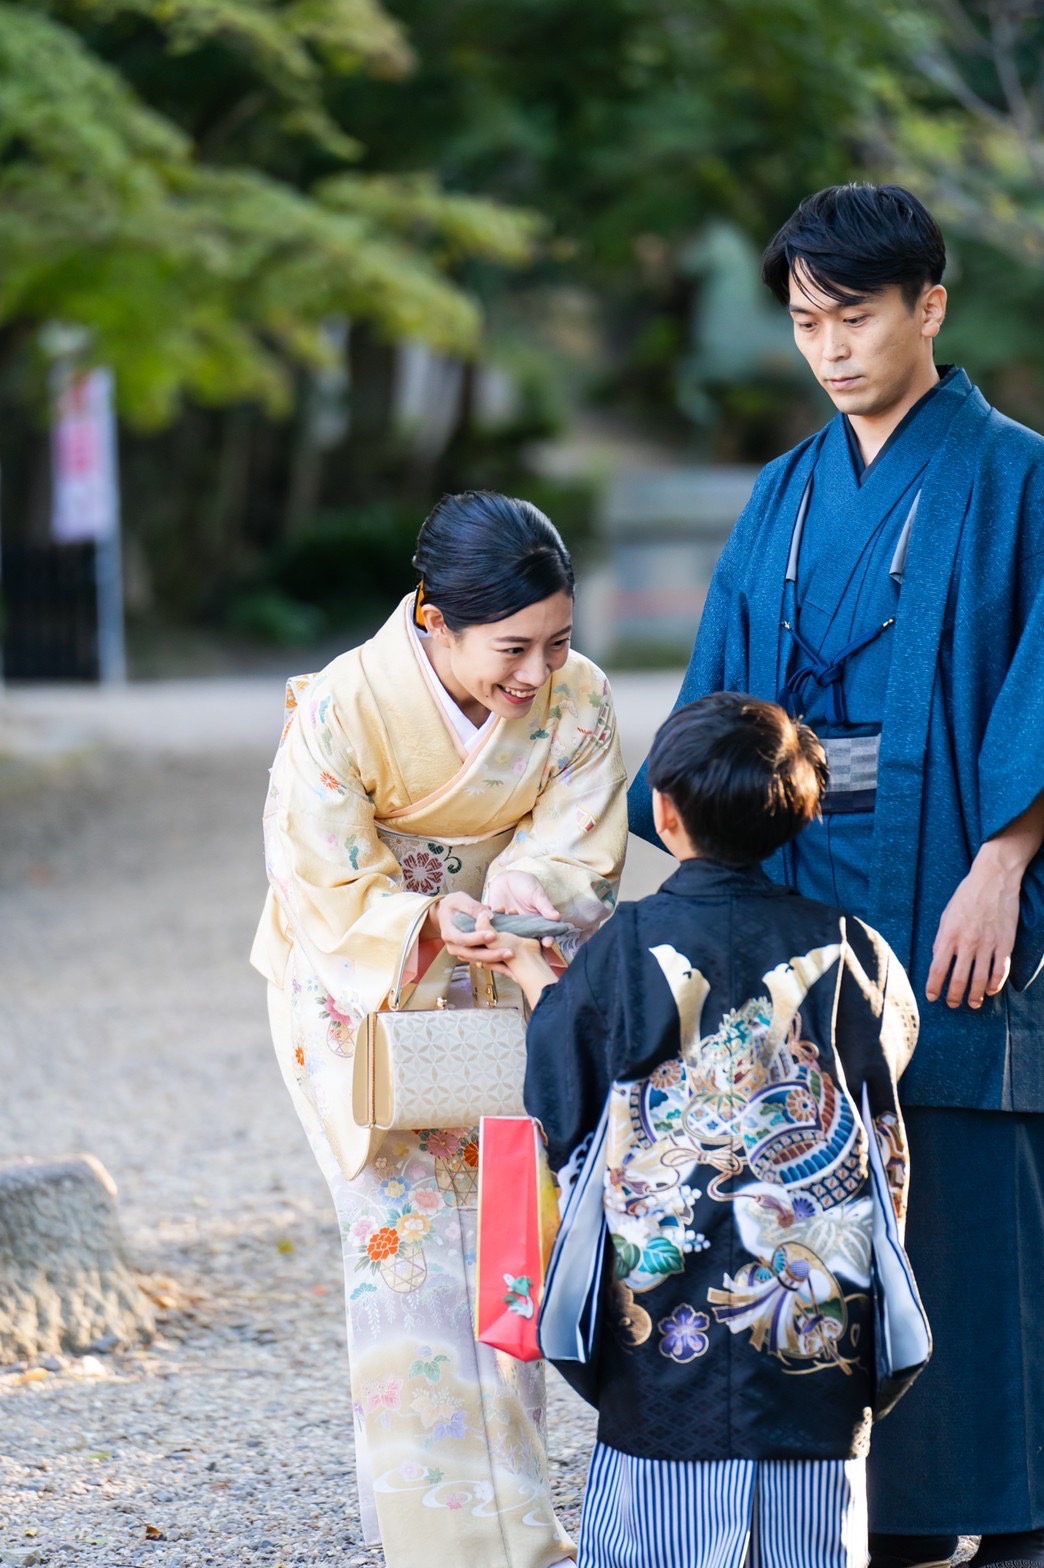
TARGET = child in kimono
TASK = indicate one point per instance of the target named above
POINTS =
(748, 1041)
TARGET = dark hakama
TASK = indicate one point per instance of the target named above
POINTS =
(963, 1451)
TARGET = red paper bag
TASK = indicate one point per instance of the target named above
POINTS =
(517, 1222)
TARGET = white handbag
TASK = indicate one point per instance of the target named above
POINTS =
(454, 1051)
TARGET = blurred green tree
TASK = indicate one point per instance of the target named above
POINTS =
(966, 124)
(621, 118)
(154, 188)
(630, 124)
(204, 184)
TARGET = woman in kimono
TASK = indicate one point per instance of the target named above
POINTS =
(463, 760)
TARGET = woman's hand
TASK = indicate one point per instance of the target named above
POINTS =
(481, 946)
(520, 893)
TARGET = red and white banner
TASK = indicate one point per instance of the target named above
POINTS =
(85, 496)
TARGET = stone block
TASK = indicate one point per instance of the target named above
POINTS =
(65, 1283)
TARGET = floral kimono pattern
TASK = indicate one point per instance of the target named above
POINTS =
(374, 811)
(733, 1030)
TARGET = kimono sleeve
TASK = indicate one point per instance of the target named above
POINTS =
(567, 1056)
(876, 1033)
(1011, 764)
(336, 888)
(574, 837)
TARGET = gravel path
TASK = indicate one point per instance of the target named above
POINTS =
(132, 1027)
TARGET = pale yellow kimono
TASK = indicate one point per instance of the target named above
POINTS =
(376, 808)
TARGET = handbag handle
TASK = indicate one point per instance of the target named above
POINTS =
(431, 989)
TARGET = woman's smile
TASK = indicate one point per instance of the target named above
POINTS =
(500, 667)
(518, 696)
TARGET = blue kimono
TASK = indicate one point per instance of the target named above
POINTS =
(901, 610)
(959, 701)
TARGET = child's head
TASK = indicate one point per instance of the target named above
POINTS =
(740, 776)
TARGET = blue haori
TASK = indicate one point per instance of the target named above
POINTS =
(729, 1513)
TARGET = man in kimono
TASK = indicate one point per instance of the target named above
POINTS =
(885, 582)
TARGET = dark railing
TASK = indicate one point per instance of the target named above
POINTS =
(49, 612)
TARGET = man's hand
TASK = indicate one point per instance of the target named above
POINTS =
(977, 930)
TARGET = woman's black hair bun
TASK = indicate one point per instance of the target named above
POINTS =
(483, 556)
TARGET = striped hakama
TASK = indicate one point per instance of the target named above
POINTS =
(729, 1513)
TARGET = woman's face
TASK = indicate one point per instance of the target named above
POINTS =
(500, 667)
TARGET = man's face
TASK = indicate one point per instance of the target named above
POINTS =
(870, 356)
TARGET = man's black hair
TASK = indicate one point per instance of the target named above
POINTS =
(742, 775)
(852, 241)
